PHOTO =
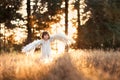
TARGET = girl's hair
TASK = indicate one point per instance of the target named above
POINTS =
(45, 33)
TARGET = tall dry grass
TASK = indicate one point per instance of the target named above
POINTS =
(75, 65)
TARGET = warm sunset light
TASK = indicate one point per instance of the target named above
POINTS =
(20, 35)
(17, 35)
(59, 27)
(59, 39)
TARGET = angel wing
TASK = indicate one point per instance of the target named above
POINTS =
(59, 36)
(30, 48)
(63, 38)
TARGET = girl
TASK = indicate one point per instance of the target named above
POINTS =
(44, 43)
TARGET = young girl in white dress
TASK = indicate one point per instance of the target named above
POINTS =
(45, 44)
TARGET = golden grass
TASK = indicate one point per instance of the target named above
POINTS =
(75, 65)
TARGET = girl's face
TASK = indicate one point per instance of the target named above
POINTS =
(45, 37)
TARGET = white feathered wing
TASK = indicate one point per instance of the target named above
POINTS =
(30, 48)
(61, 37)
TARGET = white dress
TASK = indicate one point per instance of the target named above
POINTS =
(45, 48)
(45, 45)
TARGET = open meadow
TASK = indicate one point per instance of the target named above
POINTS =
(74, 65)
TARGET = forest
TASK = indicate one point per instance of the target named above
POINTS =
(94, 23)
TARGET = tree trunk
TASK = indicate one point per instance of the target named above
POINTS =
(29, 36)
(79, 23)
(66, 17)
(0, 40)
(78, 15)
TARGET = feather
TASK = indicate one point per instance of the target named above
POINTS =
(61, 37)
(31, 46)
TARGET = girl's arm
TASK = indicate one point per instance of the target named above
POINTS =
(31, 46)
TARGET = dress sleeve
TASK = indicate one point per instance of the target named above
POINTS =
(31, 46)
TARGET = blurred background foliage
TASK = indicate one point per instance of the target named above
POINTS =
(101, 28)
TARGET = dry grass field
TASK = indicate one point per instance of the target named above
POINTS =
(74, 65)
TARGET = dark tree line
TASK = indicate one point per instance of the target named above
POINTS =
(40, 17)
(8, 11)
(41, 13)
(100, 31)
